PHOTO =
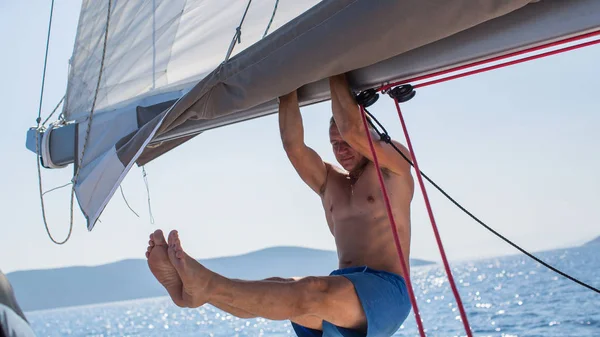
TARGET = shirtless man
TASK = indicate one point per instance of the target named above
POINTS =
(367, 295)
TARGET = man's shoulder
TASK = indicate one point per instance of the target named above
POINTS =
(391, 175)
(334, 172)
(384, 170)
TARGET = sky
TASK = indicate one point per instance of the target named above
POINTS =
(516, 146)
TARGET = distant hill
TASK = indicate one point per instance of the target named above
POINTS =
(131, 279)
(596, 241)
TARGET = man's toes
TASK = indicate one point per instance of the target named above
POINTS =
(159, 238)
(177, 252)
(172, 237)
(148, 251)
(172, 256)
(176, 241)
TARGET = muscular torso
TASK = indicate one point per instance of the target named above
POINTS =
(357, 218)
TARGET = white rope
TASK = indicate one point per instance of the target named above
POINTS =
(145, 175)
(272, 17)
(53, 111)
(57, 188)
(127, 203)
(238, 33)
(37, 135)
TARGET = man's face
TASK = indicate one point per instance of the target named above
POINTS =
(345, 155)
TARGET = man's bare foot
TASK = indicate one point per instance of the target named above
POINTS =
(196, 278)
(162, 269)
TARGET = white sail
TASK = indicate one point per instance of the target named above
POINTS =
(158, 46)
(165, 77)
(155, 51)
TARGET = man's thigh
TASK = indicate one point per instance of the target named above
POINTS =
(336, 302)
(309, 321)
(341, 306)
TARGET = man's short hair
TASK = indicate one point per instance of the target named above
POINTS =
(369, 121)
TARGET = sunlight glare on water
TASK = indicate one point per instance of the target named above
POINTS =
(504, 297)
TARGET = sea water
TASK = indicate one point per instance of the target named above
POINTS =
(510, 296)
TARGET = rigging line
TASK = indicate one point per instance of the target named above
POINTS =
(127, 203)
(390, 214)
(384, 135)
(53, 111)
(237, 37)
(381, 134)
(57, 188)
(37, 141)
(494, 59)
(272, 17)
(433, 224)
(145, 175)
(39, 117)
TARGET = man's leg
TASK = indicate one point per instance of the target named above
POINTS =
(309, 321)
(237, 312)
(167, 276)
(330, 298)
(232, 310)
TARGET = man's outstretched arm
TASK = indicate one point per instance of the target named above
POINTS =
(348, 119)
(305, 160)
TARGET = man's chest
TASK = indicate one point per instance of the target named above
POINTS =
(347, 198)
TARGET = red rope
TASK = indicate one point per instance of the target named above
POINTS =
(393, 225)
(506, 64)
(498, 58)
(416, 165)
(463, 315)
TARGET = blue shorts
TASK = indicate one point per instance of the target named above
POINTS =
(384, 298)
